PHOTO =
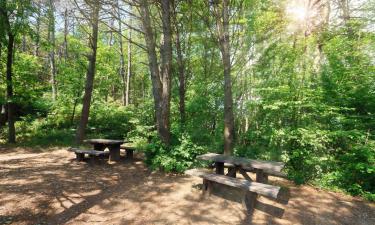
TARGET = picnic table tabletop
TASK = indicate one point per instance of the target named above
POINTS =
(243, 162)
(104, 141)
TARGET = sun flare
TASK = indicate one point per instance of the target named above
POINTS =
(301, 15)
(297, 12)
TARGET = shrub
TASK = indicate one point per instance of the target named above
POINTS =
(176, 158)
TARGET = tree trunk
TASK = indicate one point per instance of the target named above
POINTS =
(222, 23)
(127, 91)
(23, 43)
(181, 74)
(122, 60)
(74, 108)
(160, 80)
(166, 66)
(10, 104)
(66, 25)
(51, 34)
(37, 38)
(89, 75)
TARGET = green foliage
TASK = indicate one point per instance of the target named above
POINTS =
(176, 158)
(109, 121)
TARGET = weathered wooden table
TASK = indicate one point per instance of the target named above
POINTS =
(112, 145)
(238, 164)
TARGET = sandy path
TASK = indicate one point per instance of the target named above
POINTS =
(51, 188)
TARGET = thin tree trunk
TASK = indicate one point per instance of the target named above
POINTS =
(344, 5)
(89, 75)
(74, 108)
(222, 23)
(127, 91)
(52, 41)
(110, 40)
(23, 43)
(66, 26)
(160, 80)
(122, 60)
(181, 73)
(10, 104)
(37, 38)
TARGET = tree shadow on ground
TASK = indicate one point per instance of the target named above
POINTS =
(52, 188)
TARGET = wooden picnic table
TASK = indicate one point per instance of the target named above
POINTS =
(112, 145)
(238, 164)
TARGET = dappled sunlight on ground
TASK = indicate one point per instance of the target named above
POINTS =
(52, 188)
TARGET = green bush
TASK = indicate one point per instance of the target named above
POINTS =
(106, 121)
(110, 121)
(176, 158)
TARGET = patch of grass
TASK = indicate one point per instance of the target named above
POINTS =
(47, 138)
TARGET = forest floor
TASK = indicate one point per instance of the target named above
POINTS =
(49, 187)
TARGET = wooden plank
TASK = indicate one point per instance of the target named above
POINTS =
(104, 141)
(243, 162)
(268, 172)
(132, 147)
(245, 175)
(253, 170)
(259, 188)
(88, 151)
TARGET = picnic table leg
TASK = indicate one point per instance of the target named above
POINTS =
(114, 152)
(249, 202)
(207, 188)
(80, 156)
(261, 177)
(232, 171)
(129, 153)
(99, 147)
(219, 167)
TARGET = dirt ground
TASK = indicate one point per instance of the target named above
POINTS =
(50, 187)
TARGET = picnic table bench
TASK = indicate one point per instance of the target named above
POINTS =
(129, 150)
(242, 165)
(251, 188)
(112, 145)
(80, 153)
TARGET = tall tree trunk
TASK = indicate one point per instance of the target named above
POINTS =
(344, 5)
(160, 80)
(222, 23)
(66, 26)
(89, 75)
(166, 67)
(74, 108)
(122, 60)
(51, 32)
(37, 38)
(181, 73)
(10, 104)
(127, 91)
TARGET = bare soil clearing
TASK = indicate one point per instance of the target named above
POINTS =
(52, 188)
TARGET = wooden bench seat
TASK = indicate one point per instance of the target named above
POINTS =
(80, 153)
(129, 150)
(251, 188)
(253, 170)
(243, 162)
(259, 188)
